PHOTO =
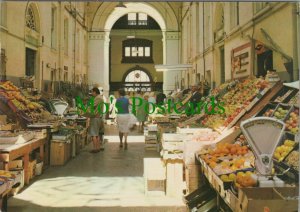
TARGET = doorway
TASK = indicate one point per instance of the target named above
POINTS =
(264, 63)
(3, 65)
(222, 64)
(30, 62)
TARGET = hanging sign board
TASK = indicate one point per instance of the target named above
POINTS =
(241, 59)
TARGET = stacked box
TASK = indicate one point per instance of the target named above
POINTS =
(60, 152)
(31, 169)
(175, 184)
(151, 142)
(192, 177)
(155, 176)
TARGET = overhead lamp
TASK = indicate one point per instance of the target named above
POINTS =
(121, 5)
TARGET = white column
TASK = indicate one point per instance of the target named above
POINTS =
(99, 60)
(172, 58)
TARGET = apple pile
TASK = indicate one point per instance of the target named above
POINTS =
(292, 124)
(283, 150)
(235, 100)
(280, 113)
(268, 113)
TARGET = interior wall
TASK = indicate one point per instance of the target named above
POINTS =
(118, 69)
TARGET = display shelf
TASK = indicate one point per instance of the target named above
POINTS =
(284, 95)
(261, 104)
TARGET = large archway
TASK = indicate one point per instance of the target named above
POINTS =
(101, 26)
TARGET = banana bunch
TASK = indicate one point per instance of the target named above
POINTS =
(6, 174)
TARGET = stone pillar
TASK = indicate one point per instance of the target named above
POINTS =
(171, 57)
(98, 71)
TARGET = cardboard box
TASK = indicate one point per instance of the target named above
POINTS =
(175, 183)
(155, 176)
(268, 199)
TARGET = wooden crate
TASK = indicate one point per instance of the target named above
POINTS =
(175, 184)
(192, 177)
(31, 169)
(60, 153)
(16, 190)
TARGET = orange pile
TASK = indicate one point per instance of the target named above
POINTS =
(245, 180)
(226, 149)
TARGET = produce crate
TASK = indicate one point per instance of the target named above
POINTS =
(31, 169)
(155, 176)
(296, 125)
(284, 95)
(151, 137)
(269, 106)
(286, 136)
(192, 130)
(268, 199)
(214, 180)
(60, 152)
(203, 199)
(20, 172)
(151, 128)
(289, 108)
(192, 177)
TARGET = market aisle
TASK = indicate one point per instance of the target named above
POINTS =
(108, 181)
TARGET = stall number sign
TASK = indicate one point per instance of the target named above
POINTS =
(241, 61)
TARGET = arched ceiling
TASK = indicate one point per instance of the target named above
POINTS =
(102, 16)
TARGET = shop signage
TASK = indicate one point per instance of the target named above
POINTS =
(210, 107)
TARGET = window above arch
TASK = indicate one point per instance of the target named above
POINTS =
(137, 51)
(136, 21)
(31, 21)
(137, 75)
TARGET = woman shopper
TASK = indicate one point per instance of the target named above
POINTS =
(123, 117)
(96, 121)
(141, 112)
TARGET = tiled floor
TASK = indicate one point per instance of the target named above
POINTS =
(107, 181)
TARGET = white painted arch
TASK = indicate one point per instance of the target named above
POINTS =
(102, 23)
(107, 14)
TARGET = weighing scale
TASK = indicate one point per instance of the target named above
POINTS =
(263, 135)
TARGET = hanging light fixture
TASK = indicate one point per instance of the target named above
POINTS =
(121, 5)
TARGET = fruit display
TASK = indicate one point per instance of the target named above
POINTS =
(227, 158)
(280, 113)
(295, 100)
(283, 150)
(235, 100)
(26, 109)
(205, 136)
(9, 86)
(292, 124)
(246, 179)
(280, 98)
(268, 113)
(293, 160)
